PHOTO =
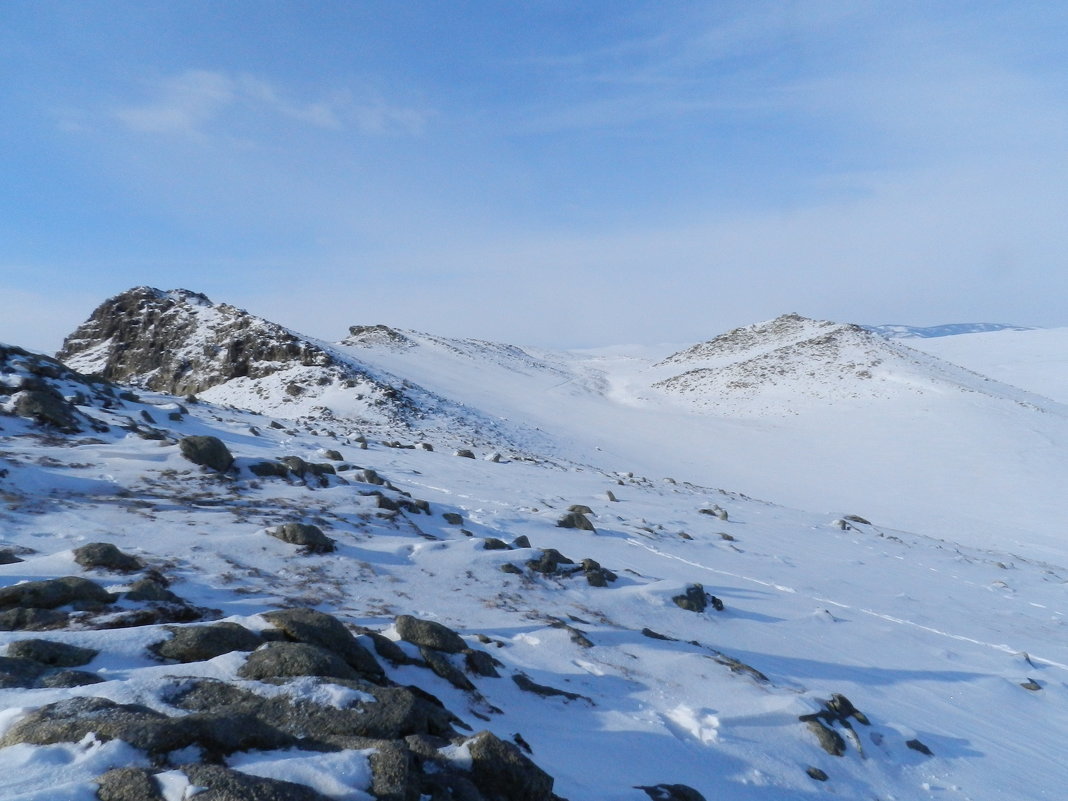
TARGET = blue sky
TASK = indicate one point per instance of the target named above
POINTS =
(544, 173)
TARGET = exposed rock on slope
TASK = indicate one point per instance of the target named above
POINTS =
(180, 342)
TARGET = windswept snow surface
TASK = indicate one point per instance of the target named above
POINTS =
(930, 639)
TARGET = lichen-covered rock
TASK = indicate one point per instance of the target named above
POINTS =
(207, 451)
(395, 774)
(52, 654)
(430, 634)
(198, 643)
(105, 556)
(308, 537)
(501, 771)
(53, 593)
(291, 659)
(325, 631)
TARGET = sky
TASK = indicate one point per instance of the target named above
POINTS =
(546, 173)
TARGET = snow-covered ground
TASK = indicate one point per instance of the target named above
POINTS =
(929, 618)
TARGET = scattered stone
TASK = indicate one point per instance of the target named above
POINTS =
(494, 544)
(52, 593)
(694, 599)
(199, 643)
(508, 567)
(430, 634)
(723, 535)
(453, 519)
(671, 792)
(208, 452)
(52, 654)
(857, 519)
(290, 659)
(738, 666)
(426, 446)
(656, 635)
(610, 496)
(502, 771)
(576, 520)
(440, 664)
(524, 682)
(105, 556)
(494, 457)
(464, 453)
(829, 740)
(128, 784)
(325, 631)
(310, 538)
(333, 455)
(521, 541)
(596, 575)
(916, 745)
(580, 509)
(1031, 685)
(816, 774)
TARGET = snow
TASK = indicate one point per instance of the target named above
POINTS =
(928, 618)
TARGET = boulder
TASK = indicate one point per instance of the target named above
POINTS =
(828, 739)
(224, 784)
(440, 664)
(149, 589)
(694, 599)
(105, 556)
(19, 671)
(310, 538)
(576, 520)
(207, 451)
(429, 634)
(269, 469)
(549, 561)
(46, 407)
(128, 784)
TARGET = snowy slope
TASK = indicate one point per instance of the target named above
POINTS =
(930, 639)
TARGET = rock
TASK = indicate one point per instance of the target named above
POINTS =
(694, 599)
(333, 455)
(829, 740)
(440, 664)
(430, 634)
(68, 678)
(464, 453)
(52, 654)
(52, 593)
(453, 519)
(224, 784)
(671, 792)
(596, 575)
(199, 643)
(580, 509)
(207, 451)
(105, 556)
(916, 745)
(310, 538)
(128, 784)
(816, 773)
(522, 541)
(1031, 685)
(610, 496)
(290, 659)
(508, 567)
(576, 520)
(494, 544)
(501, 771)
(47, 407)
(426, 446)
(386, 648)
(322, 630)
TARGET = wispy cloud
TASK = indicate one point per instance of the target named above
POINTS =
(195, 104)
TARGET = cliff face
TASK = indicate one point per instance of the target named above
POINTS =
(180, 342)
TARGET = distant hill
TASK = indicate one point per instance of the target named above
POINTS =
(947, 330)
